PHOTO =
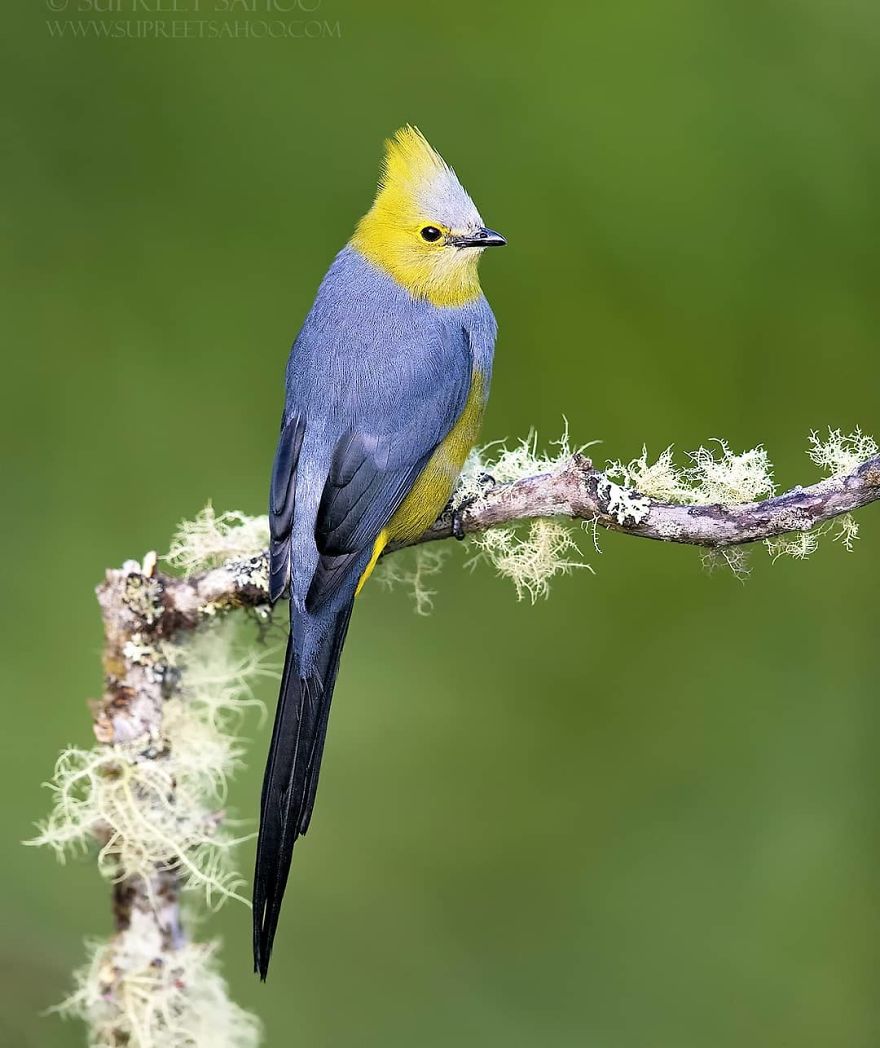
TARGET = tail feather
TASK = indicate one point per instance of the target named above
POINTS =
(291, 778)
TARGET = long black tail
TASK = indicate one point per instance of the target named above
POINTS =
(291, 779)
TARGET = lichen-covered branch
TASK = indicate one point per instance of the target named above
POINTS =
(581, 492)
(151, 791)
(575, 490)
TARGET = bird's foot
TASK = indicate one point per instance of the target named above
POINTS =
(487, 481)
(457, 515)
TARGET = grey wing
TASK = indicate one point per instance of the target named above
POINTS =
(387, 434)
(375, 465)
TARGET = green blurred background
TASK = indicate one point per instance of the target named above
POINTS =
(642, 813)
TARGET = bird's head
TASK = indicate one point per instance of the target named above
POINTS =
(423, 228)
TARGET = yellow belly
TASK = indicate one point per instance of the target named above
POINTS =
(432, 489)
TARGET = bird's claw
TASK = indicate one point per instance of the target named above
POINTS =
(457, 522)
(487, 481)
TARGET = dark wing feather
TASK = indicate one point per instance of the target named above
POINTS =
(281, 501)
(364, 490)
(358, 501)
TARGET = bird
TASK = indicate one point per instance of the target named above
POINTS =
(386, 386)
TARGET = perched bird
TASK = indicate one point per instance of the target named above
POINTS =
(386, 386)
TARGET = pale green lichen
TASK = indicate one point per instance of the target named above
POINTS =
(714, 476)
(529, 555)
(661, 480)
(126, 996)
(847, 530)
(720, 476)
(840, 452)
(734, 559)
(210, 539)
(530, 558)
(411, 570)
(153, 804)
(729, 479)
(500, 464)
(121, 794)
(844, 529)
(123, 797)
(798, 546)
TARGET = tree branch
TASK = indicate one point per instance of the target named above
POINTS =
(141, 605)
(581, 492)
(577, 491)
(147, 613)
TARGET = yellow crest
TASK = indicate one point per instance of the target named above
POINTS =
(410, 159)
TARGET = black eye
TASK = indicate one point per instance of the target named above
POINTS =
(431, 234)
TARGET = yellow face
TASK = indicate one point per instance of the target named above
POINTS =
(423, 229)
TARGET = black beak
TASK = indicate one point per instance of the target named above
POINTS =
(482, 238)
